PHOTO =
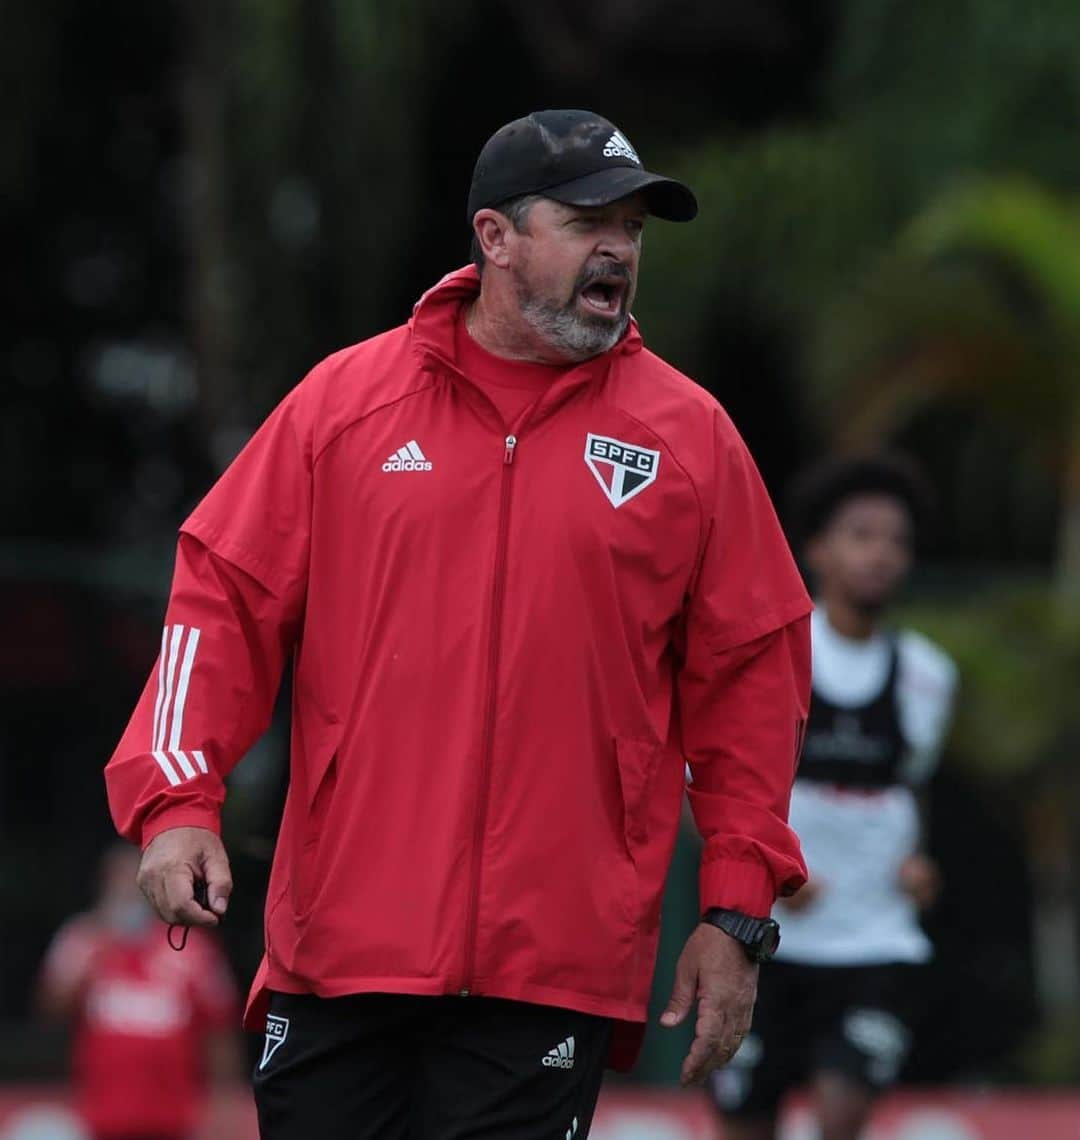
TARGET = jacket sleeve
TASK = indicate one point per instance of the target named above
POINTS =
(744, 691)
(233, 617)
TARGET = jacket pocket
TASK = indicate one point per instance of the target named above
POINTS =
(637, 761)
(271, 941)
(312, 850)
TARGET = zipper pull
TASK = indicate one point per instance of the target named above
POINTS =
(508, 454)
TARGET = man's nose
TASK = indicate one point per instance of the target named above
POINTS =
(616, 243)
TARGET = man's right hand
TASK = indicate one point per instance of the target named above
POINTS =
(172, 863)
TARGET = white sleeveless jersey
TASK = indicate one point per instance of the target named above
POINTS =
(854, 841)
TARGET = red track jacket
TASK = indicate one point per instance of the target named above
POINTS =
(505, 648)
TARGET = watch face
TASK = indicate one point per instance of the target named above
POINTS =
(770, 938)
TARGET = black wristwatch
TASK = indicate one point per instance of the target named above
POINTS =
(759, 937)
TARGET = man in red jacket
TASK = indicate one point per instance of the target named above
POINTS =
(526, 571)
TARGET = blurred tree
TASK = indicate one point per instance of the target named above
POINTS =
(914, 98)
(980, 304)
(302, 176)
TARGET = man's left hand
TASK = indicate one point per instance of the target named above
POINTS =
(714, 969)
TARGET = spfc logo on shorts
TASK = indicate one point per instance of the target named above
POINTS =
(277, 1029)
(623, 470)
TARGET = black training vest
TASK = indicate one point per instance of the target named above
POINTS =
(860, 747)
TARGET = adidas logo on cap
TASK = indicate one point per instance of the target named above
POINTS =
(618, 146)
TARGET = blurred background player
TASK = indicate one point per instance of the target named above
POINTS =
(836, 1007)
(152, 1029)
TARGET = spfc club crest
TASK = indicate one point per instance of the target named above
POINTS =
(277, 1029)
(623, 470)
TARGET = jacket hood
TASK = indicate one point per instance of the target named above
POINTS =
(435, 314)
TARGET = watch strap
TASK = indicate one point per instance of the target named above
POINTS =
(759, 937)
(742, 927)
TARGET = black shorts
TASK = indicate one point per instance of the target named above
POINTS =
(854, 1020)
(397, 1067)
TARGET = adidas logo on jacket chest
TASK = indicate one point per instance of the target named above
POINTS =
(408, 458)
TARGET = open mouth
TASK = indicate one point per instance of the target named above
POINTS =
(604, 295)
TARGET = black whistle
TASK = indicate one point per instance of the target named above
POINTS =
(202, 894)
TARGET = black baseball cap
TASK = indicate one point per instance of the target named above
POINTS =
(576, 157)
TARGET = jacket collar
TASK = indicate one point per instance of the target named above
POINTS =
(435, 316)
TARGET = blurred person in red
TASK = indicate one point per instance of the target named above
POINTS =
(836, 1007)
(152, 1028)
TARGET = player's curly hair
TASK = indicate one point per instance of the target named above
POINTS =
(818, 492)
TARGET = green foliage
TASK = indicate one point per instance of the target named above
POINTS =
(780, 224)
(980, 300)
(1052, 1056)
(1018, 665)
(1019, 222)
(977, 303)
(923, 99)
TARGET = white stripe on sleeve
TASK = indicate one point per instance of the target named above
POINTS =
(160, 685)
(185, 764)
(170, 677)
(182, 688)
(165, 765)
(200, 759)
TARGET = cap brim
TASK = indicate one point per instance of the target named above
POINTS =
(664, 197)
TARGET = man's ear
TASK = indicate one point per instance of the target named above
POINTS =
(492, 231)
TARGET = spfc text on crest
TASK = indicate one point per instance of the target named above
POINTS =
(623, 470)
(277, 1029)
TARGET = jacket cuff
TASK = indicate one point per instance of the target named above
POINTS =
(737, 884)
(178, 815)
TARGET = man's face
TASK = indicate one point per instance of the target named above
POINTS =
(865, 551)
(575, 272)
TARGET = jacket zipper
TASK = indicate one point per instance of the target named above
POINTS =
(487, 756)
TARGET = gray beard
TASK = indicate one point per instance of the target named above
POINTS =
(566, 330)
